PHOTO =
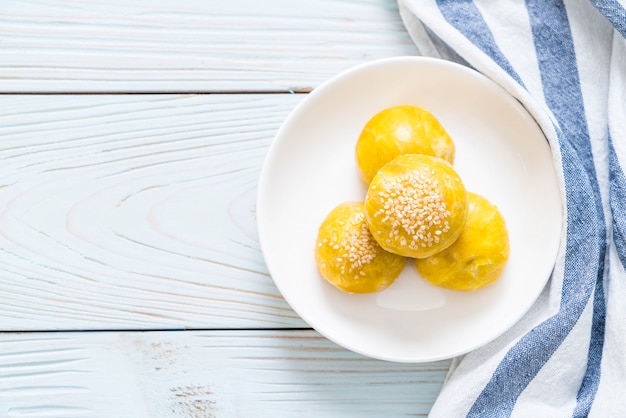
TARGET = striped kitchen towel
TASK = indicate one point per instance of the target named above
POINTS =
(565, 60)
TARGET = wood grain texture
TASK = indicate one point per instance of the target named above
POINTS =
(191, 46)
(205, 374)
(135, 212)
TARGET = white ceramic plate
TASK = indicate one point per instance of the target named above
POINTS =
(310, 168)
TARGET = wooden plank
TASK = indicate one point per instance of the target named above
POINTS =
(135, 212)
(191, 46)
(205, 374)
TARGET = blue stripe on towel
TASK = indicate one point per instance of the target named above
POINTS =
(591, 380)
(617, 199)
(467, 19)
(586, 230)
(614, 12)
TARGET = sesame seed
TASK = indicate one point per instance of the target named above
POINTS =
(412, 204)
(354, 247)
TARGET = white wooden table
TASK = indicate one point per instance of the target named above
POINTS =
(131, 279)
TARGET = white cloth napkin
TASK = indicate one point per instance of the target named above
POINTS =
(565, 60)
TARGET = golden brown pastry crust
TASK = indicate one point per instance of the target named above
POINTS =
(348, 256)
(478, 257)
(416, 205)
(397, 130)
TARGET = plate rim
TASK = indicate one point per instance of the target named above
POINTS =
(279, 138)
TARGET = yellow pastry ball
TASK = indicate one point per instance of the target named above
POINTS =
(477, 258)
(416, 205)
(348, 256)
(400, 130)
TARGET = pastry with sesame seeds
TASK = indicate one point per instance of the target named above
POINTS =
(478, 257)
(416, 205)
(397, 130)
(347, 255)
